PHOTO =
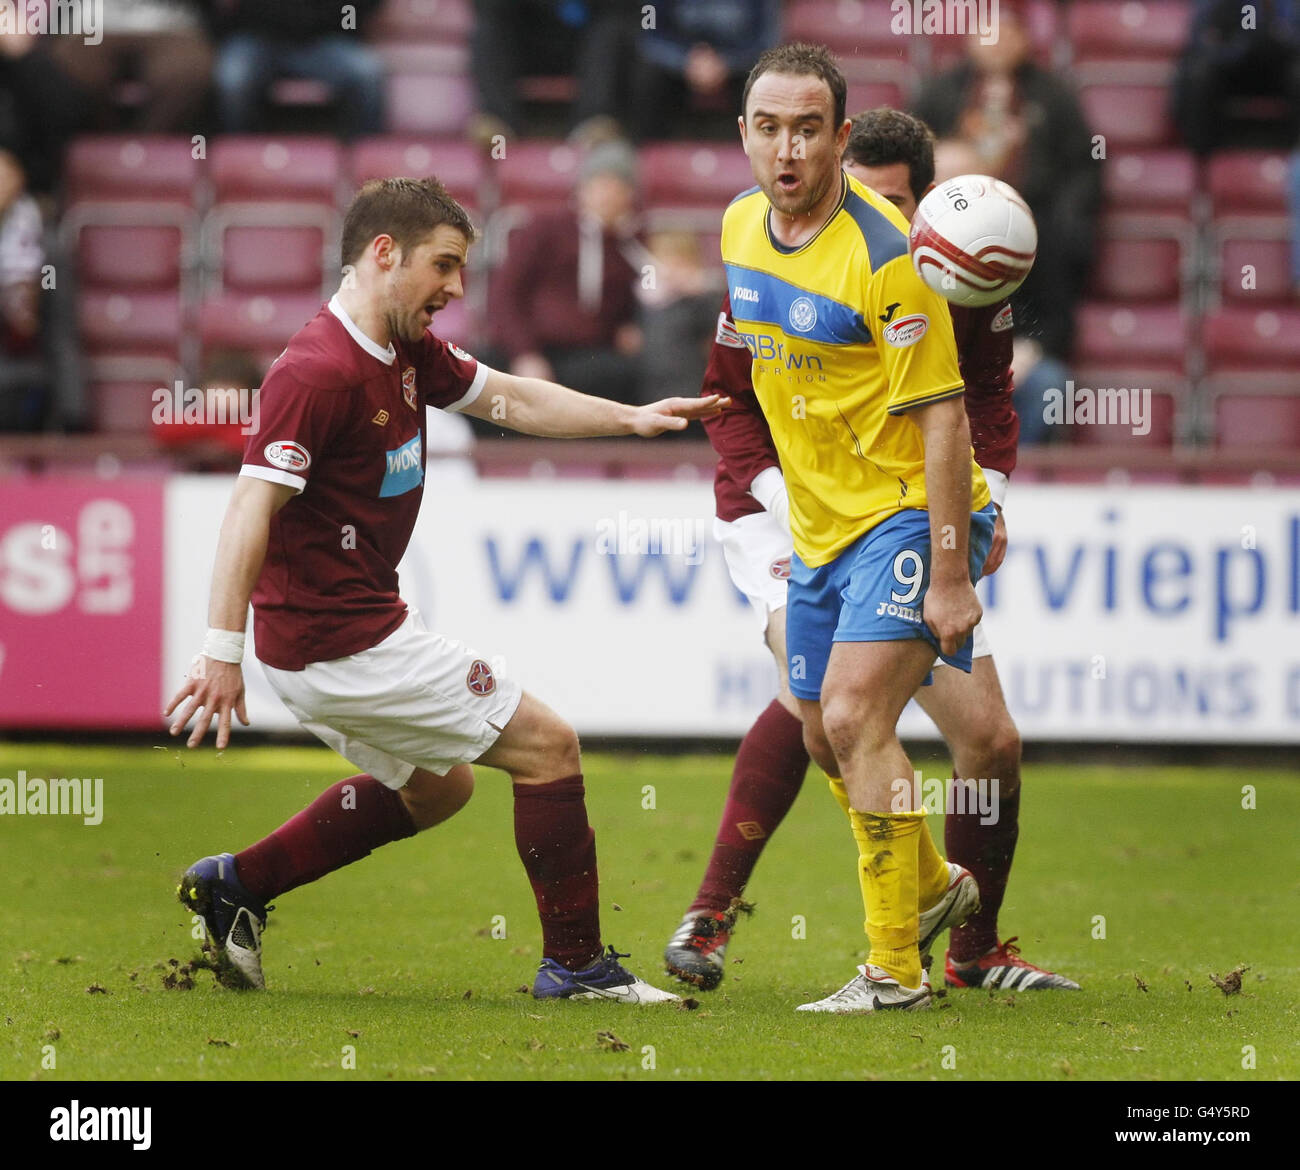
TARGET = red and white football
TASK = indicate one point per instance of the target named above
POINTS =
(973, 240)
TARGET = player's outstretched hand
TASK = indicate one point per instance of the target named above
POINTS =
(673, 414)
(951, 612)
(998, 549)
(216, 687)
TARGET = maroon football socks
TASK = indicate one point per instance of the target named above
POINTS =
(769, 771)
(985, 850)
(558, 849)
(342, 825)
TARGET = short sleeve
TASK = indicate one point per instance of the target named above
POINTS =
(294, 425)
(449, 378)
(914, 336)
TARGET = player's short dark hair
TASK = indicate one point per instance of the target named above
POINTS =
(406, 209)
(884, 136)
(802, 61)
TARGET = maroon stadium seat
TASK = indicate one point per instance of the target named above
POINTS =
(1247, 180)
(1258, 421)
(849, 28)
(1138, 180)
(423, 20)
(131, 167)
(1155, 29)
(1169, 395)
(131, 321)
(1252, 338)
(1161, 424)
(269, 246)
(1140, 257)
(867, 95)
(121, 391)
(1128, 103)
(429, 103)
(458, 164)
(1133, 334)
(538, 173)
(1253, 258)
(693, 174)
(257, 167)
(122, 256)
(259, 322)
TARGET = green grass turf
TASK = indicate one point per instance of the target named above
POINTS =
(396, 958)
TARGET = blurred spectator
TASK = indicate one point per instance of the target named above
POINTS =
(564, 301)
(516, 38)
(260, 41)
(1027, 128)
(1293, 210)
(701, 50)
(40, 108)
(214, 435)
(22, 371)
(678, 317)
(1226, 58)
(161, 43)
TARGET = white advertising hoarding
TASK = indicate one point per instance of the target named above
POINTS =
(1121, 614)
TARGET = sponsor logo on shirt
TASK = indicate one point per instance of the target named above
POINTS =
(408, 386)
(907, 330)
(780, 569)
(1002, 320)
(727, 333)
(404, 470)
(741, 293)
(287, 455)
(480, 679)
(460, 353)
(803, 315)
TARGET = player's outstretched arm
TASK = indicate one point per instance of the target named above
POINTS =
(950, 609)
(535, 407)
(214, 686)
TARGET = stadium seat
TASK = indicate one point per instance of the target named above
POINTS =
(1127, 102)
(1252, 256)
(1131, 334)
(703, 175)
(423, 20)
(1248, 338)
(1160, 435)
(1247, 180)
(1141, 257)
(867, 95)
(280, 247)
(429, 103)
(849, 28)
(1258, 421)
(1147, 29)
(1140, 180)
(537, 173)
(126, 246)
(258, 322)
(142, 322)
(1040, 18)
(105, 167)
(121, 391)
(258, 167)
(458, 164)
(1164, 387)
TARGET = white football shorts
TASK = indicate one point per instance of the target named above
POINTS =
(757, 550)
(415, 700)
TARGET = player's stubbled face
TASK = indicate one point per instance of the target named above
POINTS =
(427, 278)
(789, 134)
(891, 181)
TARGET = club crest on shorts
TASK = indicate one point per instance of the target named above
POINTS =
(408, 386)
(780, 569)
(480, 679)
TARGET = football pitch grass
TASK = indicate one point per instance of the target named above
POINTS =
(1138, 881)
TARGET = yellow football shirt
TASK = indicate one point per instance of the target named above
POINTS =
(845, 338)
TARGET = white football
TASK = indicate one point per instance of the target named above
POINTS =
(973, 240)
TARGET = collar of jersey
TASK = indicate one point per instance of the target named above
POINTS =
(387, 356)
(784, 249)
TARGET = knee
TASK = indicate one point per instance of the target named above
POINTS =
(999, 749)
(431, 799)
(850, 727)
(559, 750)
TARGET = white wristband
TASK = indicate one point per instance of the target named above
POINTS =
(768, 488)
(224, 646)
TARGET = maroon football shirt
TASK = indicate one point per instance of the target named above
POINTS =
(741, 437)
(342, 420)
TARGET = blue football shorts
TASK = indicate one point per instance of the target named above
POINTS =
(872, 592)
